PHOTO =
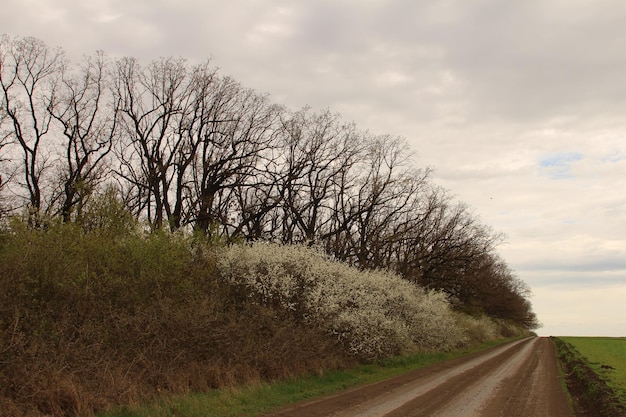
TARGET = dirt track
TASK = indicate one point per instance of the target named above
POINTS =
(517, 379)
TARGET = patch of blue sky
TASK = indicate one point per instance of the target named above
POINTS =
(558, 165)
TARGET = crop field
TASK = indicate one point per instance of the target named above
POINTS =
(607, 357)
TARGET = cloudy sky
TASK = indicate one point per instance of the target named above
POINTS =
(519, 106)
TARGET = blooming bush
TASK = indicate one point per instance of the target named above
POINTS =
(373, 313)
(478, 329)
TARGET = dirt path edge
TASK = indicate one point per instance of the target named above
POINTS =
(591, 395)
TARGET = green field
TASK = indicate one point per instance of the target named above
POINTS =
(607, 357)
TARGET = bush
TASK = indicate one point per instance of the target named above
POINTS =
(99, 312)
(106, 314)
(373, 313)
(478, 329)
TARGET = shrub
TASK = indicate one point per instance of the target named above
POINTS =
(478, 329)
(91, 317)
(373, 313)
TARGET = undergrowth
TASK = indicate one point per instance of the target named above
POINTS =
(100, 313)
(90, 319)
(258, 399)
(372, 313)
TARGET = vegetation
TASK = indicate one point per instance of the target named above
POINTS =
(257, 399)
(606, 356)
(165, 230)
(374, 314)
(100, 312)
(186, 148)
(93, 319)
(594, 370)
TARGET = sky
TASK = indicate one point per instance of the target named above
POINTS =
(520, 107)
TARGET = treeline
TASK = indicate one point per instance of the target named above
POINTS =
(184, 147)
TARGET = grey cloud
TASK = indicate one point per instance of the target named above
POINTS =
(522, 62)
(515, 61)
(483, 90)
(582, 267)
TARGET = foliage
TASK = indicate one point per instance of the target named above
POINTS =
(91, 317)
(188, 148)
(373, 313)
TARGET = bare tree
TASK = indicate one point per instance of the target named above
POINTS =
(494, 289)
(237, 139)
(318, 151)
(30, 74)
(382, 196)
(151, 102)
(88, 119)
(6, 173)
(192, 137)
(257, 206)
(188, 135)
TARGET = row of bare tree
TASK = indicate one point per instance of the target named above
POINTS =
(188, 148)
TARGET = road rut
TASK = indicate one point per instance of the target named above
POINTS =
(520, 378)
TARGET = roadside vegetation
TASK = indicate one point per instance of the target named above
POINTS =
(164, 230)
(99, 313)
(595, 369)
(257, 399)
(90, 320)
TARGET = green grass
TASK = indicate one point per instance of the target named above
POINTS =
(607, 357)
(255, 399)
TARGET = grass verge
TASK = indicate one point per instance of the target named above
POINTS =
(591, 394)
(252, 400)
(607, 357)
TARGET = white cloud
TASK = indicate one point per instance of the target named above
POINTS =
(274, 25)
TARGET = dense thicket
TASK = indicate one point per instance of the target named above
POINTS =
(99, 312)
(186, 148)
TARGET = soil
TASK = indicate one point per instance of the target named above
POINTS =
(592, 396)
(520, 378)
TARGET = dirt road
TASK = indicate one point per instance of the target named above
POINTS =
(517, 379)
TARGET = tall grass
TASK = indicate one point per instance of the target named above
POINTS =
(258, 399)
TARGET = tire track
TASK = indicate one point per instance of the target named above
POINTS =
(423, 395)
(517, 379)
(469, 390)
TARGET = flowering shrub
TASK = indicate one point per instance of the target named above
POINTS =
(478, 329)
(373, 313)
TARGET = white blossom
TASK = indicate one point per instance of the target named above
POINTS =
(373, 313)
